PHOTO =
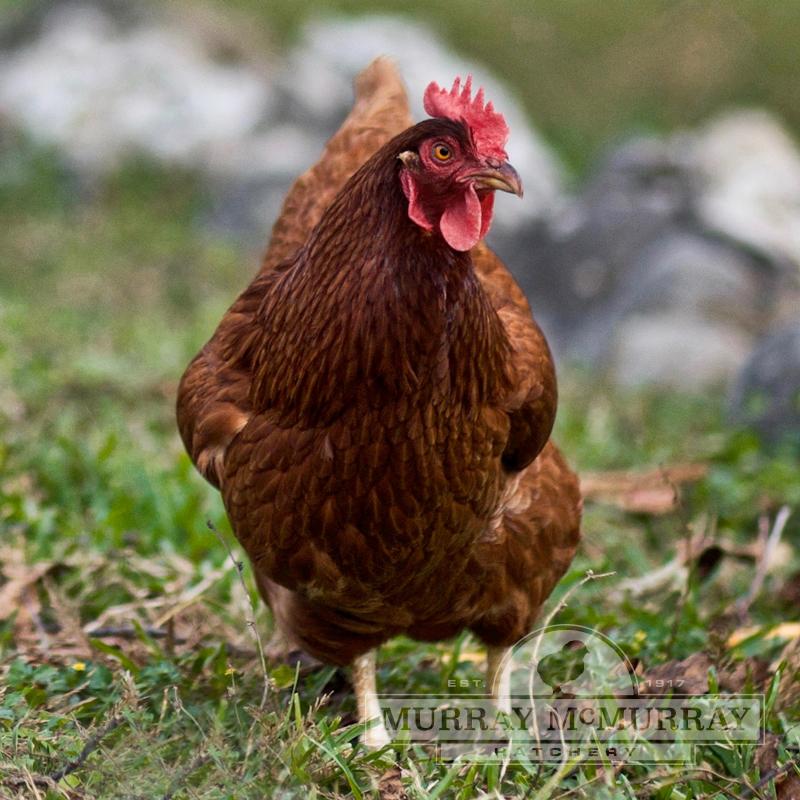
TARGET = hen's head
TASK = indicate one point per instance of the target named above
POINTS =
(451, 172)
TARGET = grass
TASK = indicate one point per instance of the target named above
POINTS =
(128, 667)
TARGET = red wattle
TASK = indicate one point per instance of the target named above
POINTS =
(466, 217)
(461, 223)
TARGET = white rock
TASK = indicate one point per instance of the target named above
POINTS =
(748, 171)
(100, 92)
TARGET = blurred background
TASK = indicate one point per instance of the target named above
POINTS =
(145, 148)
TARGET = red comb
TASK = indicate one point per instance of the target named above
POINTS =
(489, 129)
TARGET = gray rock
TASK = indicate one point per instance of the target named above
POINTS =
(677, 350)
(703, 277)
(766, 395)
(575, 266)
(630, 279)
(687, 315)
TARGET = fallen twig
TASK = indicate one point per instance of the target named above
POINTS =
(90, 746)
(773, 774)
(768, 542)
(175, 786)
(674, 574)
(129, 632)
(590, 575)
(188, 597)
(654, 492)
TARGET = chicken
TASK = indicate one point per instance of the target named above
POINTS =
(376, 406)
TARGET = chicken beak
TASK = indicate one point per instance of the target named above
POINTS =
(504, 178)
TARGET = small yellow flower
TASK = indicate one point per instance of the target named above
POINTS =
(79, 666)
(230, 671)
(639, 637)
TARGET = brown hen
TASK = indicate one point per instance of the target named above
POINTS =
(376, 406)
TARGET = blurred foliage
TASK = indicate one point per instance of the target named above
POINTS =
(592, 71)
(112, 287)
(589, 72)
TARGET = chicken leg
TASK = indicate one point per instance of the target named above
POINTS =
(498, 676)
(375, 736)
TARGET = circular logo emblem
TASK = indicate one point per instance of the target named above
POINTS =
(568, 661)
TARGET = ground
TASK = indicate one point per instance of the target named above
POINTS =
(128, 663)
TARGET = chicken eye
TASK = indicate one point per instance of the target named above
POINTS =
(441, 152)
